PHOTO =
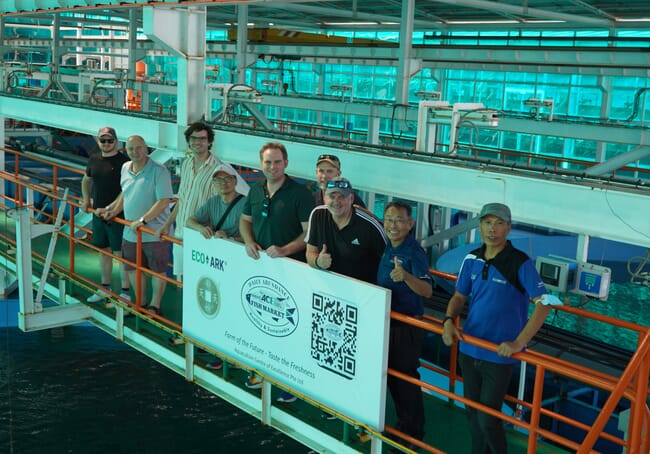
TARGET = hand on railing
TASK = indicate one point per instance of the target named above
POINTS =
(450, 332)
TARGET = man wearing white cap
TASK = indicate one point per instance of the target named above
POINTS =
(99, 187)
(219, 216)
(500, 281)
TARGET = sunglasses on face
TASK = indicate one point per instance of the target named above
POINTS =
(106, 140)
(338, 184)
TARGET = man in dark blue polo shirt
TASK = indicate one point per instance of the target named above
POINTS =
(404, 269)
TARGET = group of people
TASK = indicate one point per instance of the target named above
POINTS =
(329, 229)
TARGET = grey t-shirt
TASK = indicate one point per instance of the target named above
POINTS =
(211, 211)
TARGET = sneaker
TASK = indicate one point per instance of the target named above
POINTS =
(101, 295)
(328, 416)
(176, 340)
(215, 364)
(286, 397)
(253, 382)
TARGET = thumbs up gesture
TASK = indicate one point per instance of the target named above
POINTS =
(324, 259)
(398, 274)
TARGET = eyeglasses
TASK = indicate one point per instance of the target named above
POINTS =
(266, 206)
(329, 157)
(106, 140)
(222, 180)
(397, 221)
(338, 184)
(199, 138)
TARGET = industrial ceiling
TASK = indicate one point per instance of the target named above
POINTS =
(429, 15)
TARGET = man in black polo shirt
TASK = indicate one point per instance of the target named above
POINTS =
(344, 238)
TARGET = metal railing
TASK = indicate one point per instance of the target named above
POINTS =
(631, 386)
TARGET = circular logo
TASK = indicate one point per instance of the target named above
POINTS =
(269, 306)
(208, 297)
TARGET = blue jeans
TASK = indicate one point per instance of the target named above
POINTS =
(485, 382)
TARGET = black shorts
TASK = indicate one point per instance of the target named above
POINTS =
(107, 233)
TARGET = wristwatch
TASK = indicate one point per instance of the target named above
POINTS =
(143, 221)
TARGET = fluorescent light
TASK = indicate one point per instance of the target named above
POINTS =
(350, 23)
(472, 22)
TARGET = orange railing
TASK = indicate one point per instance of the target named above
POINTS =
(632, 385)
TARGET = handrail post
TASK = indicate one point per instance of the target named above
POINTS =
(536, 408)
(138, 269)
(55, 190)
(637, 421)
(72, 237)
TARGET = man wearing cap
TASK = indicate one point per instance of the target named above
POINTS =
(194, 189)
(219, 216)
(500, 281)
(328, 167)
(99, 187)
(344, 238)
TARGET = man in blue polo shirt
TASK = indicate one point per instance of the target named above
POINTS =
(500, 280)
(404, 269)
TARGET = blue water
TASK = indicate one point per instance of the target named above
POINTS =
(78, 390)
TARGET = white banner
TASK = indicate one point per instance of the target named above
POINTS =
(322, 334)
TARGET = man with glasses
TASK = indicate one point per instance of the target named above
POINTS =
(194, 190)
(99, 187)
(219, 216)
(328, 167)
(404, 269)
(275, 218)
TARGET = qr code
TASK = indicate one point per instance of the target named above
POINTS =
(334, 334)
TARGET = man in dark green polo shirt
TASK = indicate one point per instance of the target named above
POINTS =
(275, 215)
(274, 219)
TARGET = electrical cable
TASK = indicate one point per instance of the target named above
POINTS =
(637, 276)
(617, 216)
